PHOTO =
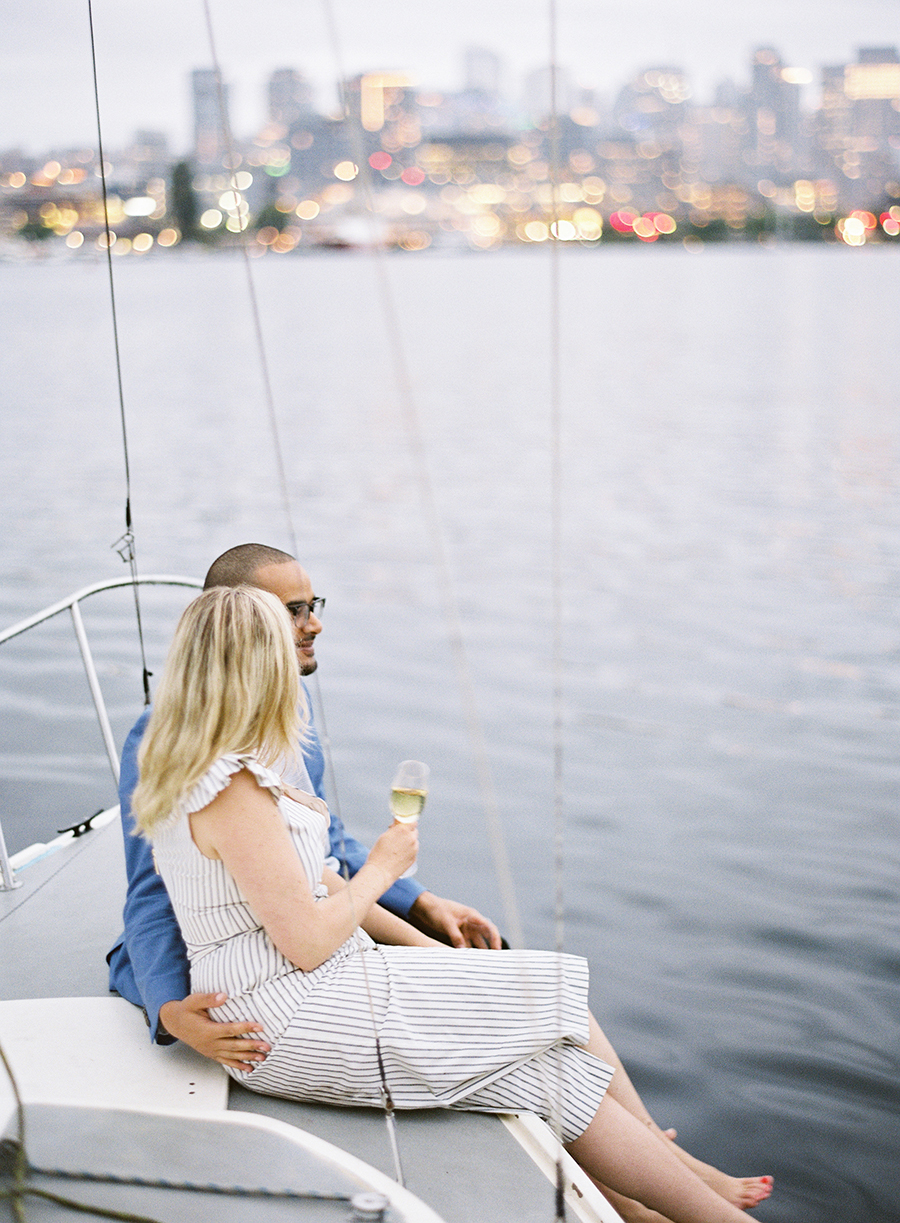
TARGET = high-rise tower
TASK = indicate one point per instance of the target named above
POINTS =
(209, 141)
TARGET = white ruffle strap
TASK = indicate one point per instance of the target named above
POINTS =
(219, 775)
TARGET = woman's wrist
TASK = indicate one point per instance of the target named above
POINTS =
(373, 879)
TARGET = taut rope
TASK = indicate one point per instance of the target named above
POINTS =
(125, 544)
(268, 396)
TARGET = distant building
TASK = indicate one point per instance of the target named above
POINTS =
(384, 102)
(150, 150)
(539, 89)
(872, 86)
(290, 97)
(210, 103)
(715, 140)
(652, 107)
(774, 128)
(483, 72)
(857, 128)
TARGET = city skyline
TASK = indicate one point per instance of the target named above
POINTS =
(145, 55)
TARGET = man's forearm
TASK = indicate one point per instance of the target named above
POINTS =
(385, 927)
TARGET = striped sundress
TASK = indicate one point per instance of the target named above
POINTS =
(468, 1029)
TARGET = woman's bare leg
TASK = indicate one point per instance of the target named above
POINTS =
(619, 1150)
(742, 1191)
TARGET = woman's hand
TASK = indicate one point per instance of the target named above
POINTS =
(395, 851)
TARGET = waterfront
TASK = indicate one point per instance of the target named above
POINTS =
(730, 630)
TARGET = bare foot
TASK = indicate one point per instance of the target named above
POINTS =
(744, 1192)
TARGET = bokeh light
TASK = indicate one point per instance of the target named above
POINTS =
(563, 230)
(589, 224)
(413, 203)
(488, 225)
(233, 201)
(139, 206)
(519, 155)
(536, 231)
(284, 242)
(623, 221)
(851, 231)
(487, 193)
(645, 229)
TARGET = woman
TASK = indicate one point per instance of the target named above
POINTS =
(242, 856)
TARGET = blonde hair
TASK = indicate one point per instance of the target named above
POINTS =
(231, 684)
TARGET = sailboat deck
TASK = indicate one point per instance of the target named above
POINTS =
(55, 930)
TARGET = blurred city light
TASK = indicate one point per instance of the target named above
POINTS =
(642, 165)
(139, 206)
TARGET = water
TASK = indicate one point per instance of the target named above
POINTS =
(730, 637)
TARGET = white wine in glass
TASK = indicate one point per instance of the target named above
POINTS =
(409, 789)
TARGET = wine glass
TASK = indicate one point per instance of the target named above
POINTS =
(409, 790)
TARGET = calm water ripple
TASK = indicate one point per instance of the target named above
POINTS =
(731, 643)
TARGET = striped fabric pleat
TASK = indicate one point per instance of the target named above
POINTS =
(465, 1029)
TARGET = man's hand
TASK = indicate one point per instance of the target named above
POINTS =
(458, 924)
(226, 1043)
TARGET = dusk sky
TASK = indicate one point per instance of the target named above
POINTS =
(146, 48)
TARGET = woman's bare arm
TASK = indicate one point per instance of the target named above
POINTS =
(382, 925)
(243, 827)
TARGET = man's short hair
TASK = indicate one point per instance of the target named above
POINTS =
(238, 566)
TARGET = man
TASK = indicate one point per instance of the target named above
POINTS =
(148, 965)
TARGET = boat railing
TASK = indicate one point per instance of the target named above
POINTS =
(72, 605)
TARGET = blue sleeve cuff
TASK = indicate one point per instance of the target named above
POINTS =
(401, 896)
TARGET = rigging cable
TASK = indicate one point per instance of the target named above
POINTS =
(450, 603)
(556, 568)
(125, 544)
(428, 501)
(232, 165)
